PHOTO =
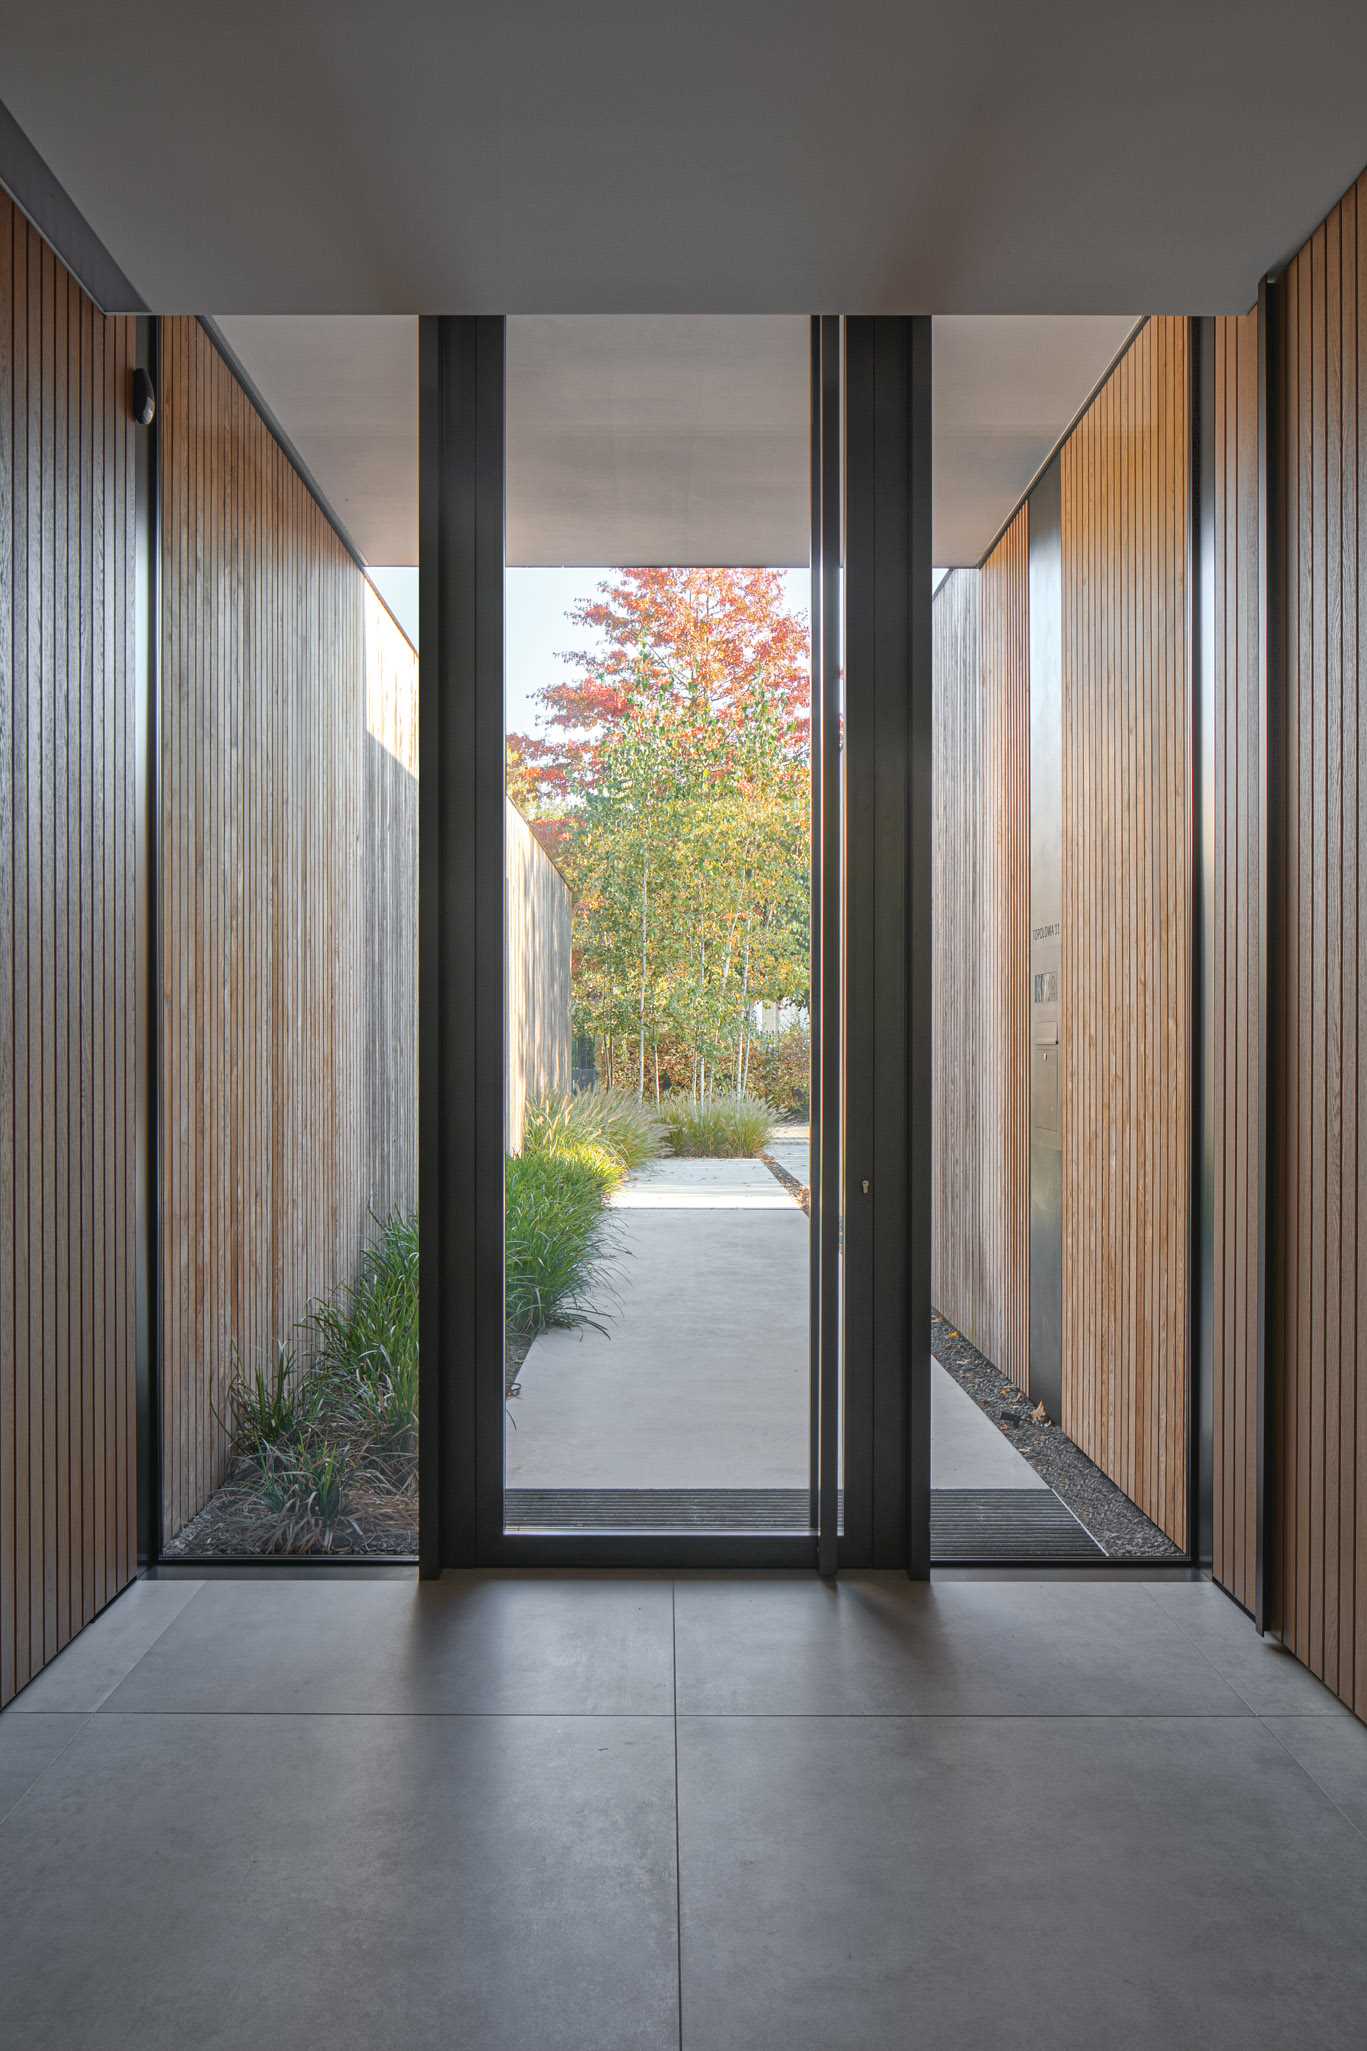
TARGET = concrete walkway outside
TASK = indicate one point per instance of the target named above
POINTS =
(701, 1380)
(966, 1448)
(791, 1148)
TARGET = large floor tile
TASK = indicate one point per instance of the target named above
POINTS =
(28, 1746)
(1268, 1678)
(470, 1642)
(1333, 1751)
(879, 1645)
(389, 1883)
(972, 1884)
(106, 1651)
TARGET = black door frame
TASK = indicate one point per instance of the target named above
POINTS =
(887, 941)
(885, 419)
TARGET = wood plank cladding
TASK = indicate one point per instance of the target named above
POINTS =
(68, 724)
(1126, 999)
(288, 904)
(959, 1285)
(981, 957)
(1321, 1425)
(1234, 1082)
(1006, 934)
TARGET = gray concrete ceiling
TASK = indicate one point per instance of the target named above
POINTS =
(765, 156)
(1004, 390)
(658, 440)
(669, 440)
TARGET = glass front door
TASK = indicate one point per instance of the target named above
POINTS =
(674, 1027)
(659, 1351)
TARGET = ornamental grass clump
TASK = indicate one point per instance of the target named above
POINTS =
(720, 1128)
(332, 1425)
(615, 1119)
(365, 1345)
(326, 1435)
(556, 1234)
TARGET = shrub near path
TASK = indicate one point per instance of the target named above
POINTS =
(718, 1128)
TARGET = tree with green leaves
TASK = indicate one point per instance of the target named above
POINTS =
(672, 784)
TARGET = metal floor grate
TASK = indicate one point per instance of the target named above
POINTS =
(1006, 1524)
(767, 1510)
(965, 1523)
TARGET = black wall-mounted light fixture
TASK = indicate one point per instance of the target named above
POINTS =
(144, 398)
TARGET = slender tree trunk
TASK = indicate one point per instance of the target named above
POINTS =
(645, 930)
(744, 1005)
(657, 1075)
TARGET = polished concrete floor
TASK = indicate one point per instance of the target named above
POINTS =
(730, 1812)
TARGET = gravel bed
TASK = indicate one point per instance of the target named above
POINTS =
(1122, 1531)
(235, 1524)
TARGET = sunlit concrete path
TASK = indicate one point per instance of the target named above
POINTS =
(790, 1146)
(700, 1378)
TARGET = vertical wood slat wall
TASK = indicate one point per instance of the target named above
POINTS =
(1233, 1037)
(1006, 935)
(1127, 911)
(981, 953)
(1321, 1424)
(390, 899)
(959, 1284)
(288, 856)
(68, 1513)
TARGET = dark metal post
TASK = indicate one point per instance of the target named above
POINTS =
(888, 698)
(1271, 846)
(151, 1532)
(460, 937)
(1201, 628)
(828, 852)
(814, 949)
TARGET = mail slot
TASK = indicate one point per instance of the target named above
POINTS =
(1044, 1089)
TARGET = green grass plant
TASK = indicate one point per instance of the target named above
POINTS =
(268, 1409)
(719, 1128)
(555, 1235)
(336, 1418)
(615, 1119)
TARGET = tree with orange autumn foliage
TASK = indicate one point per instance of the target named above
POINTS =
(671, 782)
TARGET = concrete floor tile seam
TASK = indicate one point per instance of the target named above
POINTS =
(1194, 1639)
(16, 1708)
(1314, 1779)
(1202, 1716)
(89, 1636)
(413, 1715)
(152, 1643)
(1190, 1638)
(79, 1717)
